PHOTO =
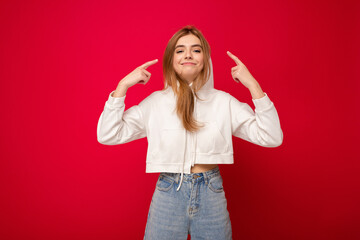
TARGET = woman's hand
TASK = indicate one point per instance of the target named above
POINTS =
(139, 75)
(240, 73)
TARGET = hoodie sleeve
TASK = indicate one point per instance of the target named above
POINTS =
(116, 126)
(261, 127)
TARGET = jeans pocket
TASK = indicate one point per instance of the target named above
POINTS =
(216, 184)
(164, 183)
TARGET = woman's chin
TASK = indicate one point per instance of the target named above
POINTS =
(189, 74)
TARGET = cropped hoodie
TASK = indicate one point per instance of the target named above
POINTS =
(171, 148)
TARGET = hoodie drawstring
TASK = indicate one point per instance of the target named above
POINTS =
(194, 143)
(181, 180)
(182, 170)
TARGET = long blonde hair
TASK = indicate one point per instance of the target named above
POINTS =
(184, 93)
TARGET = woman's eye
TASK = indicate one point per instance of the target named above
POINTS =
(198, 51)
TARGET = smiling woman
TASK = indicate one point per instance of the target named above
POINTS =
(186, 145)
(188, 59)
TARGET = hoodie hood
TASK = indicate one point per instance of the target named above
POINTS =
(209, 85)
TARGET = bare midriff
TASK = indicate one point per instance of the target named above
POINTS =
(198, 168)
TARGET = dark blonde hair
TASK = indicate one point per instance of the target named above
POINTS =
(184, 94)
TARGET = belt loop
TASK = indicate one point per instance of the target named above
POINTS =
(177, 178)
(205, 178)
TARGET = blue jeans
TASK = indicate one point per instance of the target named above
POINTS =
(199, 208)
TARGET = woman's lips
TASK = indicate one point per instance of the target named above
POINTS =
(188, 64)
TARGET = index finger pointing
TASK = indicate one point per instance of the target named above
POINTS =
(148, 64)
(237, 61)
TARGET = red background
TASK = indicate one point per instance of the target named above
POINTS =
(60, 60)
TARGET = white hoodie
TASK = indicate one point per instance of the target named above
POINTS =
(173, 149)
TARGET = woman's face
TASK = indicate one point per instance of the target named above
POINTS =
(188, 58)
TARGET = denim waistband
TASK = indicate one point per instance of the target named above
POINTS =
(188, 177)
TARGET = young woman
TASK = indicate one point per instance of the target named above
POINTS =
(189, 126)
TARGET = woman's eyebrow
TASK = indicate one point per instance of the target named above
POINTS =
(195, 45)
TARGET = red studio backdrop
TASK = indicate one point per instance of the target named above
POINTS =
(59, 60)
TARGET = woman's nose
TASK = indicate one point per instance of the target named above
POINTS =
(188, 54)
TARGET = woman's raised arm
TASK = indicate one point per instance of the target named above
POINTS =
(261, 127)
(116, 126)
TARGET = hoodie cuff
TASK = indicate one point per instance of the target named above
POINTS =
(262, 103)
(116, 101)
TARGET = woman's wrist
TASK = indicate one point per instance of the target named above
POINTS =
(120, 90)
(256, 91)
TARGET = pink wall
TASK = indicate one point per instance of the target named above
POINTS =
(60, 60)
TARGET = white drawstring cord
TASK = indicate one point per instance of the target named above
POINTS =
(182, 171)
(182, 174)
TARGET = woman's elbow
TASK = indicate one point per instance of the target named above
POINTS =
(107, 140)
(277, 140)
(103, 141)
(273, 141)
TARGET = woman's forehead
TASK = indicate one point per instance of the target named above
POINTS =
(188, 40)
